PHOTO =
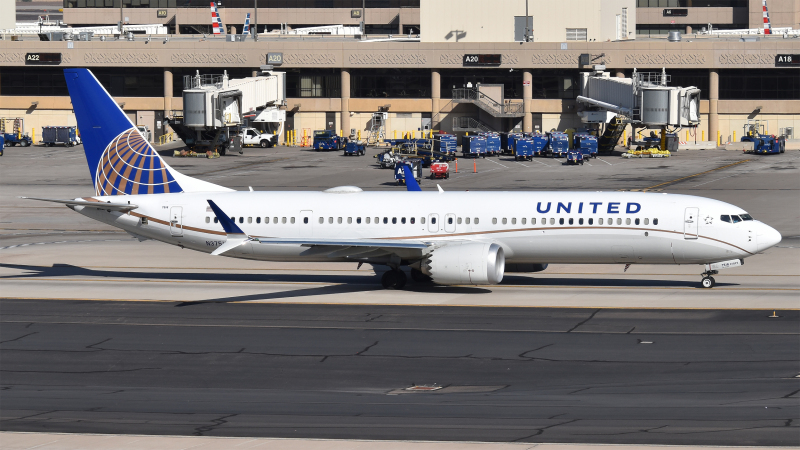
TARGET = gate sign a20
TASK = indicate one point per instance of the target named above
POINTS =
(787, 60)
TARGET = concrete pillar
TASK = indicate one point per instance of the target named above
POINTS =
(713, 99)
(688, 29)
(254, 73)
(168, 94)
(345, 101)
(527, 99)
(620, 74)
(436, 95)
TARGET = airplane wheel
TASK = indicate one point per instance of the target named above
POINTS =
(393, 279)
(708, 282)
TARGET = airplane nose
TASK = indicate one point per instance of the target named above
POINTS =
(767, 237)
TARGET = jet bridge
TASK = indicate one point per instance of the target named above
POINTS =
(645, 101)
(215, 107)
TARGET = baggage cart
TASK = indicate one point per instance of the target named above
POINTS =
(60, 135)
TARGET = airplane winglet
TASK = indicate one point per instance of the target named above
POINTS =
(411, 182)
(228, 225)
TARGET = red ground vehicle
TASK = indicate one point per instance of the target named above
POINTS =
(440, 170)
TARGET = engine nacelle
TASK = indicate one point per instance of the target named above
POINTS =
(525, 267)
(465, 263)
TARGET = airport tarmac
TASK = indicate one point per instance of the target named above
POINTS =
(718, 356)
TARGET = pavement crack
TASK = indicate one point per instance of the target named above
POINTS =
(21, 337)
(541, 430)
(367, 348)
(791, 394)
(216, 423)
(92, 347)
(373, 318)
(631, 330)
(581, 323)
(524, 354)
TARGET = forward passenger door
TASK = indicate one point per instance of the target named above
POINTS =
(690, 223)
(433, 223)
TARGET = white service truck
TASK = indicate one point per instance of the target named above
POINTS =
(251, 136)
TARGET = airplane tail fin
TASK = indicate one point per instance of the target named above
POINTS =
(120, 160)
(216, 22)
(246, 25)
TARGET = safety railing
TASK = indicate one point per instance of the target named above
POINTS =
(461, 123)
(165, 138)
(489, 104)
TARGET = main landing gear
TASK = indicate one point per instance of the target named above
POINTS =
(708, 281)
(393, 279)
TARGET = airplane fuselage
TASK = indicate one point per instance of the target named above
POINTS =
(531, 227)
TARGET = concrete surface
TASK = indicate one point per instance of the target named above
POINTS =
(52, 441)
(66, 269)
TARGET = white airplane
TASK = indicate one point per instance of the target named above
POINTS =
(449, 238)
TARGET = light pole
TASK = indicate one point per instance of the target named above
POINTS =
(255, 20)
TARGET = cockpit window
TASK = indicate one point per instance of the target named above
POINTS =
(736, 219)
(725, 218)
(746, 216)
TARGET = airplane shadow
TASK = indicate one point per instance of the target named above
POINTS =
(67, 270)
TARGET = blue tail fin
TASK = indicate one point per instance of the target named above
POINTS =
(120, 160)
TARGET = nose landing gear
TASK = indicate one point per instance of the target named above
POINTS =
(708, 281)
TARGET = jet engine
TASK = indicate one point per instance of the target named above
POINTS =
(465, 263)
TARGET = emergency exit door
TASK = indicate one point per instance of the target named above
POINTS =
(690, 223)
(176, 221)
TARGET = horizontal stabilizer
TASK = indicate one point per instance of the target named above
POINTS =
(123, 207)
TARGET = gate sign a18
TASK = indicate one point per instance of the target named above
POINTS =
(787, 60)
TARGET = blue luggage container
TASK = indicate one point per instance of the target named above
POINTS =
(586, 143)
(493, 147)
(539, 144)
(473, 146)
(558, 144)
(524, 149)
(447, 143)
(59, 135)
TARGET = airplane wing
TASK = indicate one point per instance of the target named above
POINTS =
(334, 248)
(123, 207)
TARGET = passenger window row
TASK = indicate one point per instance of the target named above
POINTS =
(572, 221)
(469, 220)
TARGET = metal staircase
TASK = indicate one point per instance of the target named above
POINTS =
(470, 124)
(487, 103)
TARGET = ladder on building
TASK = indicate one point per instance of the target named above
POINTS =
(608, 141)
(377, 129)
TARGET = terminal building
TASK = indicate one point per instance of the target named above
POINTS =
(421, 61)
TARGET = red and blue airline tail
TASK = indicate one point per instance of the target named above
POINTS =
(216, 22)
(120, 160)
(246, 24)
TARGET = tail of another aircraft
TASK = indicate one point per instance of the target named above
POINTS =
(120, 160)
(767, 23)
(216, 22)
(246, 25)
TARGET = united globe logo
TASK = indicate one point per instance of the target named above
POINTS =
(130, 166)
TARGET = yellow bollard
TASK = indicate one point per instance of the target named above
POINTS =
(687, 135)
(703, 136)
(718, 138)
(33, 136)
(395, 134)
(359, 134)
(341, 134)
(466, 133)
(734, 136)
(625, 137)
